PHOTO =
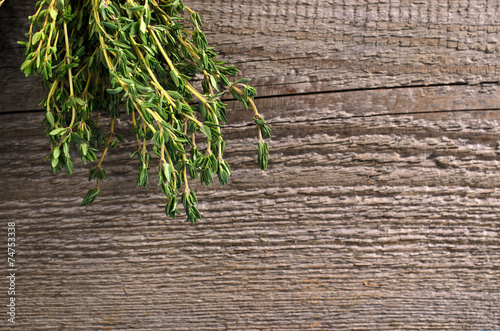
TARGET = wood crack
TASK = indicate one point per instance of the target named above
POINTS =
(378, 88)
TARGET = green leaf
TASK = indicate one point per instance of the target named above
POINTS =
(242, 81)
(134, 30)
(198, 19)
(212, 124)
(100, 174)
(90, 197)
(206, 131)
(171, 207)
(25, 65)
(137, 9)
(145, 105)
(142, 179)
(80, 101)
(119, 137)
(53, 13)
(122, 45)
(263, 155)
(80, 51)
(69, 165)
(76, 138)
(204, 58)
(224, 80)
(60, 5)
(110, 25)
(85, 149)
(36, 37)
(56, 152)
(142, 26)
(66, 149)
(213, 82)
(50, 118)
(54, 162)
(263, 126)
(38, 61)
(175, 95)
(167, 169)
(57, 131)
(115, 90)
(223, 173)
(174, 77)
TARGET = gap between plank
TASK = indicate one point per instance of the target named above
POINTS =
(368, 116)
(28, 111)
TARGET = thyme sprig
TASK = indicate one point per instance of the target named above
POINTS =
(94, 55)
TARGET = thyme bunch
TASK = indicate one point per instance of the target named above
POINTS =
(95, 55)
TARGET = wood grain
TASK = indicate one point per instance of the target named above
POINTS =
(290, 46)
(379, 210)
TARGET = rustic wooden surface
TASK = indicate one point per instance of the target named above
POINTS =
(379, 210)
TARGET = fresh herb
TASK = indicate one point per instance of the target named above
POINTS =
(95, 55)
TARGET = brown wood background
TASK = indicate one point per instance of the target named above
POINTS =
(379, 210)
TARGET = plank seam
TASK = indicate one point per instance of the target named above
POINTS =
(384, 88)
(28, 111)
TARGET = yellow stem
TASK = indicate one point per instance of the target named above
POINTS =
(135, 126)
(48, 40)
(155, 81)
(162, 151)
(87, 84)
(254, 107)
(55, 105)
(185, 43)
(202, 99)
(51, 94)
(207, 79)
(70, 76)
(111, 134)
(192, 118)
(240, 92)
(186, 185)
(165, 56)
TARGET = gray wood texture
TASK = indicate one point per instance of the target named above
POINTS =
(379, 210)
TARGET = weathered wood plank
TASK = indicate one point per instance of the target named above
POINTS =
(324, 123)
(379, 210)
(361, 222)
(290, 46)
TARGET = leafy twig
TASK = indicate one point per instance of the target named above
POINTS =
(103, 53)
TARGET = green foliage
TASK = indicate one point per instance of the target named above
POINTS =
(95, 55)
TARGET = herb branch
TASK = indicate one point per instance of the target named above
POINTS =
(95, 55)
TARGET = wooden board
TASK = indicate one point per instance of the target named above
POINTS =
(290, 46)
(379, 210)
